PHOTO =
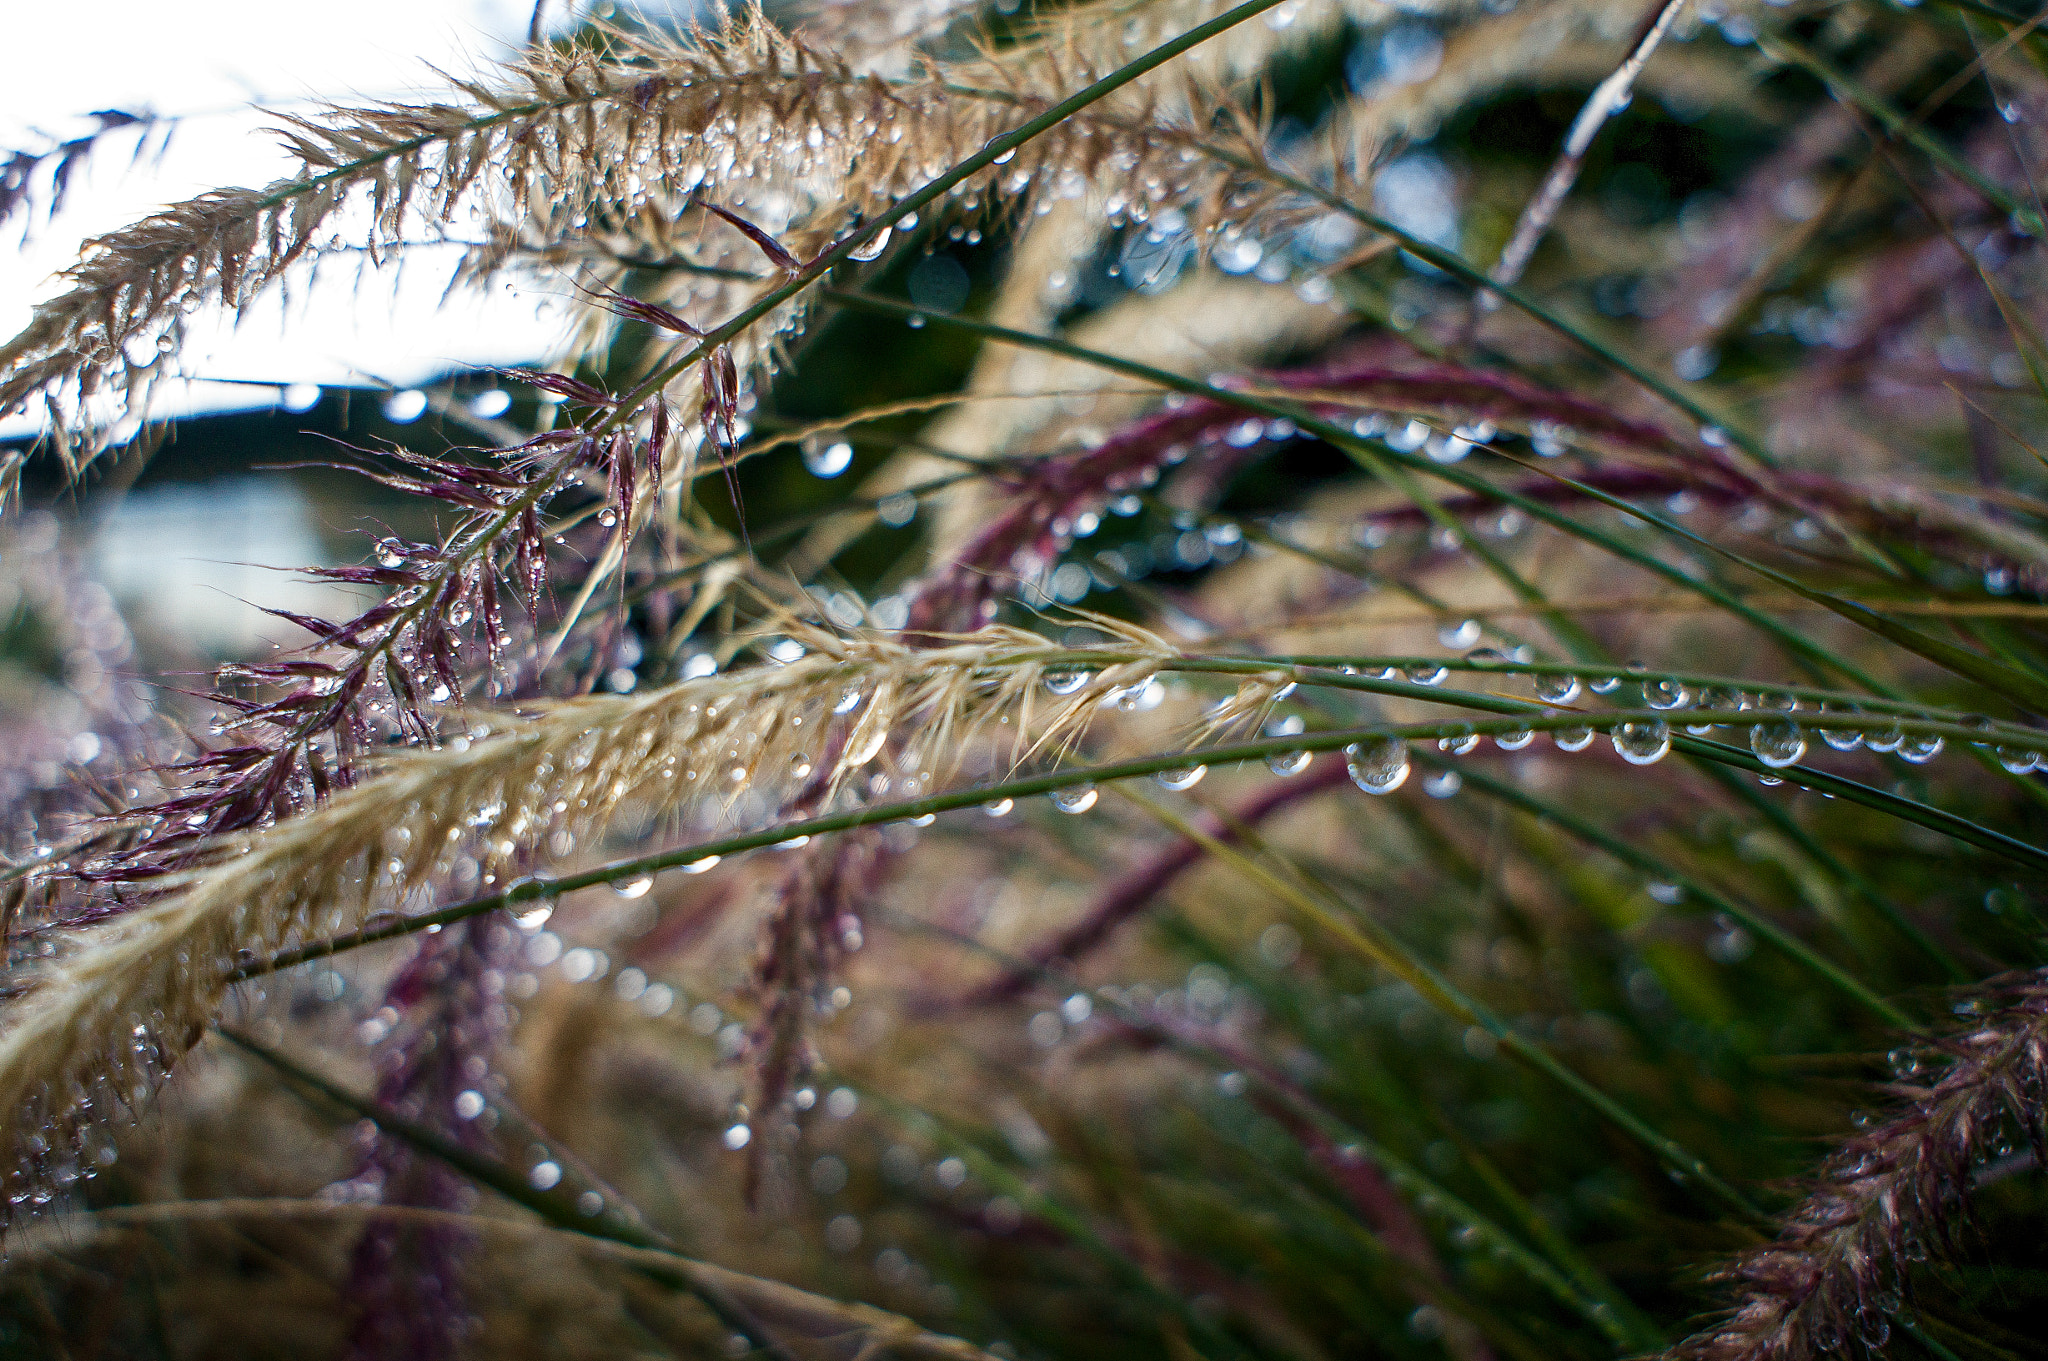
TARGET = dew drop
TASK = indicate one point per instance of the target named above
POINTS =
(1184, 777)
(1920, 749)
(999, 808)
(1427, 675)
(1642, 743)
(873, 248)
(1841, 739)
(1066, 681)
(1459, 635)
(1288, 762)
(699, 866)
(1143, 697)
(1604, 685)
(1576, 738)
(634, 888)
(1378, 765)
(1514, 741)
(1885, 739)
(607, 517)
(1075, 799)
(2018, 760)
(1557, 689)
(1777, 745)
(1664, 693)
(1459, 744)
(828, 460)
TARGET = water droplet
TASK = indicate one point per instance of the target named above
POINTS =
(1143, 697)
(544, 1176)
(1076, 798)
(1288, 762)
(848, 702)
(828, 460)
(872, 248)
(1459, 744)
(1459, 635)
(1576, 738)
(1664, 693)
(634, 888)
(999, 808)
(1514, 741)
(1067, 681)
(1427, 675)
(1920, 749)
(2018, 760)
(607, 517)
(1557, 689)
(1604, 685)
(1777, 745)
(1841, 739)
(1443, 784)
(1378, 765)
(1184, 777)
(699, 866)
(737, 1136)
(1885, 739)
(1642, 743)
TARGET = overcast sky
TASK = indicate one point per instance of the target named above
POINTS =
(211, 61)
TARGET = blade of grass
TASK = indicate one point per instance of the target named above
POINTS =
(1359, 932)
(556, 1206)
(1042, 1204)
(1656, 867)
(1529, 718)
(1596, 1306)
(1849, 90)
(1795, 643)
(1833, 865)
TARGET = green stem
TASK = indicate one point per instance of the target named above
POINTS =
(1527, 718)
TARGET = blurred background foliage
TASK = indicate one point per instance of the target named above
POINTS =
(1224, 1130)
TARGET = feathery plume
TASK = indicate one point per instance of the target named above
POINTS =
(1893, 1193)
(115, 1005)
